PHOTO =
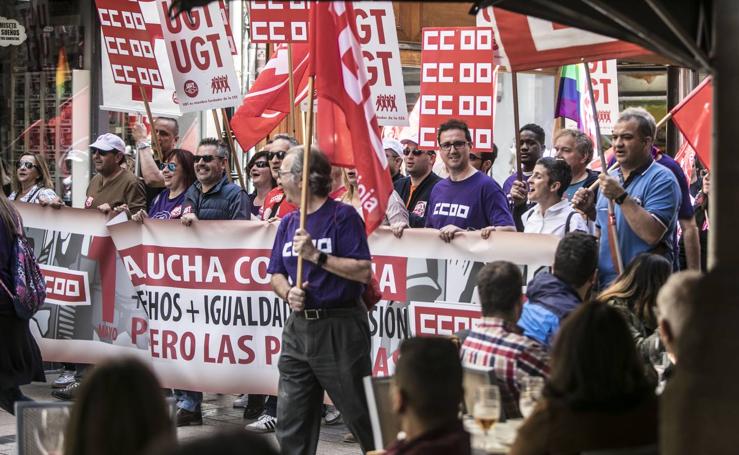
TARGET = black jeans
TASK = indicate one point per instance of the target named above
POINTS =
(9, 396)
(331, 354)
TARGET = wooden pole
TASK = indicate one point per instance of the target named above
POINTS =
(612, 233)
(519, 169)
(154, 138)
(291, 88)
(306, 172)
(219, 134)
(232, 146)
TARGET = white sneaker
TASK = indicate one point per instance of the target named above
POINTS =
(64, 379)
(333, 416)
(265, 424)
(241, 401)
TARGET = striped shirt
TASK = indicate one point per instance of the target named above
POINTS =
(491, 345)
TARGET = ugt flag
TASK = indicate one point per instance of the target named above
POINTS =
(348, 131)
(574, 101)
(693, 116)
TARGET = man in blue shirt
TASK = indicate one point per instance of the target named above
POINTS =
(646, 194)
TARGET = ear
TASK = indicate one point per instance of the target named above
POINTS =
(486, 165)
(555, 186)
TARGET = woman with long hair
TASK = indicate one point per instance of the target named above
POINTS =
(120, 410)
(597, 395)
(32, 181)
(634, 295)
(261, 177)
(178, 173)
(20, 358)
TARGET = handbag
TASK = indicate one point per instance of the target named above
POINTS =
(28, 281)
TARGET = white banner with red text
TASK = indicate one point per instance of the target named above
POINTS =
(198, 306)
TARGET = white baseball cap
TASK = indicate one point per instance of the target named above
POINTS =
(393, 145)
(413, 138)
(108, 142)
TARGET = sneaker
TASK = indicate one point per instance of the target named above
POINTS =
(185, 417)
(241, 401)
(68, 393)
(349, 438)
(333, 416)
(64, 379)
(265, 424)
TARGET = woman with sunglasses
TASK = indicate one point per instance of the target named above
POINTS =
(178, 174)
(261, 176)
(32, 181)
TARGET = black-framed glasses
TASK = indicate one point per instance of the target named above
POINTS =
(456, 144)
(171, 167)
(280, 155)
(205, 158)
(25, 164)
(474, 157)
(417, 152)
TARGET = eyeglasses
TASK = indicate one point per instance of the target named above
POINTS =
(416, 152)
(25, 164)
(205, 158)
(456, 144)
(280, 155)
(281, 173)
(474, 157)
(260, 164)
(102, 152)
(171, 167)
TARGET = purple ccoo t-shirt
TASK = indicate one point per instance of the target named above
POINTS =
(164, 208)
(473, 203)
(337, 229)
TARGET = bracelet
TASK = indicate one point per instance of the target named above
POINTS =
(143, 145)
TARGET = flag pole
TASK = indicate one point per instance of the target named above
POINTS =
(519, 170)
(232, 146)
(612, 233)
(219, 134)
(306, 172)
(154, 138)
(291, 88)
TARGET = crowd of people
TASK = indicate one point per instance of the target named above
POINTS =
(611, 293)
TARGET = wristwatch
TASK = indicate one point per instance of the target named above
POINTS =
(143, 145)
(322, 257)
(620, 199)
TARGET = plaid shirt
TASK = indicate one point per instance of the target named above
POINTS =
(511, 356)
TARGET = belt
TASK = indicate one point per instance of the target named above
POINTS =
(323, 313)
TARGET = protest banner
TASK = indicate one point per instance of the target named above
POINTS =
(279, 21)
(458, 78)
(200, 58)
(379, 40)
(163, 101)
(605, 91)
(199, 307)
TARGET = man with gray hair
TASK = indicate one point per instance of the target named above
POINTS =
(576, 149)
(646, 194)
(676, 303)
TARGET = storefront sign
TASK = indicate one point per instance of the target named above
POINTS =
(12, 33)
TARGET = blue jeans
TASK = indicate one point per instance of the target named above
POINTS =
(188, 400)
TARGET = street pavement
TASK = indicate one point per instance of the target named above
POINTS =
(218, 413)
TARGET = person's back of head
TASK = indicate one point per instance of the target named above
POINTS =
(594, 363)
(428, 380)
(120, 410)
(576, 259)
(499, 285)
(676, 304)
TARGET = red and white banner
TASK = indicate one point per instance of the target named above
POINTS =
(379, 40)
(458, 80)
(200, 58)
(605, 90)
(279, 21)
(526, 42)
(200, 310)
(348, 131)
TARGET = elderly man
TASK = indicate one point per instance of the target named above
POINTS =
(677, 302)
(576, 148)
(275, 203)
(467, 199)
(326, 339)
(646, 194)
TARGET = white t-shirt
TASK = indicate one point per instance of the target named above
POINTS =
(555, 220)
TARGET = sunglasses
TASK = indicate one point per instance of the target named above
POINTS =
(260, 165)
(474, 157)
(205, 158)
(171, 167)
(416, 152)
(102, 152)
(279, 155)
(456, 144)
(25, 164)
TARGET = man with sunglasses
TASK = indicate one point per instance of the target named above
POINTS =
(483, 161)
(275, 203)
(416, 188)
(467, 199)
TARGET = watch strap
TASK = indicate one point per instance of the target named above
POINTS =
(620, 199)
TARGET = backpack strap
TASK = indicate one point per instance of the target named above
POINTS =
(31, 196)
(7, 290)
(567, 223)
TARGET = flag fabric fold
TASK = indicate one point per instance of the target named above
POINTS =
(694, 118)
(574, 101)
(347, 127)
(268, 100)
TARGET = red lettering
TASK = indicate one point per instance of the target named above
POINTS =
(226, 350)
(272, 347)
(187, 346)
(206, 356)
(378, 14)
(139, 326)
(169, 340)
(250, 355)
(380, 367)
(605, 82)
(153, 342)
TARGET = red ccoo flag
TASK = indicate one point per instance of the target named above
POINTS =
(693, 116)
(268, 100)
(347, 128)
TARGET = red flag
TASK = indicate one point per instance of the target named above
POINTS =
(268, 100)
(693, 116)
(685, 157)
(347, 124)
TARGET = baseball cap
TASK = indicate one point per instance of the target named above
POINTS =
(413, 138)
(393, 145)
(109, 141)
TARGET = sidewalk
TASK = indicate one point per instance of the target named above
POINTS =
(217, 413)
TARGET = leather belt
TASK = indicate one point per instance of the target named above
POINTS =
(323, 313)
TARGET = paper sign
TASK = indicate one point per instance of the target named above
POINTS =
(12, 33)
(200, 58)
(279, 21)
(605, 92)
(458, 80)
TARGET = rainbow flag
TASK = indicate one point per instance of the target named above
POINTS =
(62, 68)
(574, 101)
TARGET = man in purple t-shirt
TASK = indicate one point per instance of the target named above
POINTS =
(467, 199)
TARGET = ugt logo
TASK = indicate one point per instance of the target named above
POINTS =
(191, 88)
